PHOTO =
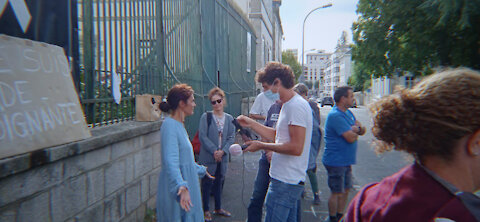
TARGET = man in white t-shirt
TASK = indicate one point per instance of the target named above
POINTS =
(262, 104)
(291, 149)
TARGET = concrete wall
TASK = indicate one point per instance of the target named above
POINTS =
(109, 177)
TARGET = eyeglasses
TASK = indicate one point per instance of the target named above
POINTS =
(216, 101)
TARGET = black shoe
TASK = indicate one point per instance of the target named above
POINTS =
(316, 199)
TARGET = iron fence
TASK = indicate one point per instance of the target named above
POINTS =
(152, 45)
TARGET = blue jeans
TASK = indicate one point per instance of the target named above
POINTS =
(259, 191)
(282, 201)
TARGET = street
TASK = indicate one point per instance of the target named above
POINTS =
(370, 167)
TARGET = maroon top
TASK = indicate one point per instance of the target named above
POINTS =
(411, 194)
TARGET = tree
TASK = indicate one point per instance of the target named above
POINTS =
(416, 35)
(360, 79)
(289, 59)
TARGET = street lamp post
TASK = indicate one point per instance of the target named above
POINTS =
(303, 36)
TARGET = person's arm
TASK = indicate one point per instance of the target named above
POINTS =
(297, 129)
(293, 147)
(201, 170)
(207, 144)
(256, 116)
(341, 127)
(350, 136)
(171, 159)
(362, 129)
(264, 131)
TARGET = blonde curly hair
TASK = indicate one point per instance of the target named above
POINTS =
(430, 118)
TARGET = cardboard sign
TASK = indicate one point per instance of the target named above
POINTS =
(39, 106)
(147, 107)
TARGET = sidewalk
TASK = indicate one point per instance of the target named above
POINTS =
(238, 188)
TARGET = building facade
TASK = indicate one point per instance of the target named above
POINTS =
(265, 19)
(314, 69)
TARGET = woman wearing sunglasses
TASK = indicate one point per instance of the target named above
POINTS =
(216, 139)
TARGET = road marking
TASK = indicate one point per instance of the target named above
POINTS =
(314, 212)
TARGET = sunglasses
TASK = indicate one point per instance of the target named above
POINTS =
(216, 101)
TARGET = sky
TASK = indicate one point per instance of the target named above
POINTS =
(322, 28)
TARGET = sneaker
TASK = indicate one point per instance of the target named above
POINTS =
(316, 199)
(328, 219)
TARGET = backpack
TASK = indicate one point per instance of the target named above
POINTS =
(196, 141)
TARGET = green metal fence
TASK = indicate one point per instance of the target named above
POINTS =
(153, 44)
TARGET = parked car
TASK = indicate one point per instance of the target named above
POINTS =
(328, 100)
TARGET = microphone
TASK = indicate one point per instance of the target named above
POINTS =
(246, 134)
(236, 149)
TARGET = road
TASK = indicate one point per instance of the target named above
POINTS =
(370, 167)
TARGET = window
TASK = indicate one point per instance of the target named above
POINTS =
(409, 81)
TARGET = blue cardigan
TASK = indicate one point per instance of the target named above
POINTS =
(209, 141)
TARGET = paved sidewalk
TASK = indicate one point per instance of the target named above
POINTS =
(238, 188)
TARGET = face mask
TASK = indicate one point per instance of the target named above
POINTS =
(272, 96)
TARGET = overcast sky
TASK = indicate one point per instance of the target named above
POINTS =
(322, 28)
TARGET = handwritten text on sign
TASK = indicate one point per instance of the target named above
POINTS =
(39, 106)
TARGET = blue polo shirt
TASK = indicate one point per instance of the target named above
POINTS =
(339, 152)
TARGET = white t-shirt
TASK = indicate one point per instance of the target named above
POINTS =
(288, 168)
(261, 105)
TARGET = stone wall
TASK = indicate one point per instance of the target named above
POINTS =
(111, 176)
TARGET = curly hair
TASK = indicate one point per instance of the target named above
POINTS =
(179, 92)
(275, 70)
(432, 117)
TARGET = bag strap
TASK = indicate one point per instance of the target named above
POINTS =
(209, 119)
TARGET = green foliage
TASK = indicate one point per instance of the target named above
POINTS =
(150, 215)
(289, 59)
(360, 79)
(416, 35)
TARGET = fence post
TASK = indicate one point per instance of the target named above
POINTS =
(88, 58)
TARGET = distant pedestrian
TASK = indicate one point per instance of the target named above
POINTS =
(262, 103)
(178, 192)
(302, 90)
(438, 123)
(341, 133)
(292, 144)
(215, 142)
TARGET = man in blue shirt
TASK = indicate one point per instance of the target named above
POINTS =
(341, 134)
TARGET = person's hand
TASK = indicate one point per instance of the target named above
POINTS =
(356, 129)
(269, 154)
(361, 129)
(217, 155)
(253, 146)
(244, 121)
(209, 175)
(357, 123)
(185, 201)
